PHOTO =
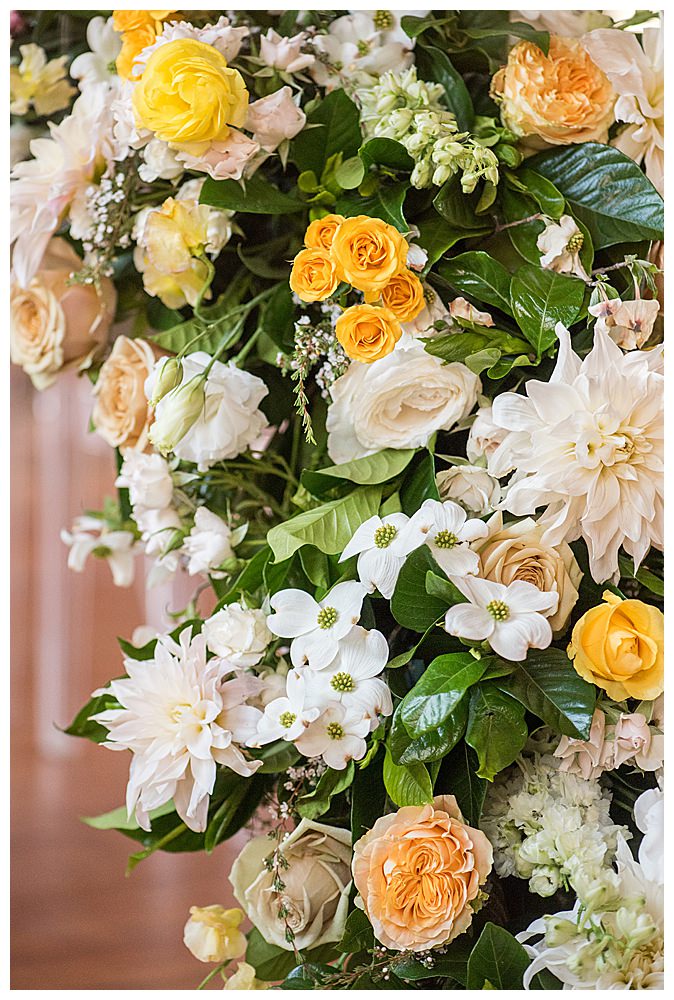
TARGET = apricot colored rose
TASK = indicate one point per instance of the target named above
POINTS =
(619, 647)
(404, 296)
(368, 253)
(367, 333)
(313, 276)
(321, 232)
(417, 872)
(121, 413)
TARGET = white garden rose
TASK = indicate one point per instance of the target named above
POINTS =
(148, 480)
(208, 544)
(317, 883)
(471, 486)
(397, 402)
(238, 634)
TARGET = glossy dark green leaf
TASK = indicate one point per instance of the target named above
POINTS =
(368, 796)
(478, 275)
(496, 729)
(458, 776)
(497, 959)
(458, 209)
(411, 605)
(386, 203)
(547, 685)
(444, 589)
(337, 130)
(385, 152)
(434, 65)
(407, 784)
(549, 198)
(255, 195)
(452, 964)
(438, 691)
(541, 299)
(432, 746)
(419, 483)
(272, 963)
(358, 934)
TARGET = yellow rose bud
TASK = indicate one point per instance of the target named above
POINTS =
(367, 332)
(321, 232)
(619, 647)
(244, 979)
(404, 296)
(368, 253)
(556, 99)
(188, 93)
(212, 933)
(313, 276)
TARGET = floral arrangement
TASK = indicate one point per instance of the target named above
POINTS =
(371, 308)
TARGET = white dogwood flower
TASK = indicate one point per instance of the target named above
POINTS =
(316, 628)
(382, 547)
(286, 718)
(511, 618)
(337, 736)
(448, 532)
(560, 244)
(352, 679)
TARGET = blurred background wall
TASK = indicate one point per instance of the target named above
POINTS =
(76, 921)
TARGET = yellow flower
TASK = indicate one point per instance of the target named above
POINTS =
(188, 93)
(131, 20)
(321, 232)
(619, 647)
(244, 979)
(367, 332)
(404, 296)
(557, 99)
(38, 83)
(212, 933)
(313, 276)
(139, 28)
(368, 252)
(171, 252)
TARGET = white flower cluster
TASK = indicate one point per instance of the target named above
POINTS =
(401, 107)
(548, 826)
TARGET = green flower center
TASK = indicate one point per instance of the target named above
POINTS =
(287, 719)
(363, 47)
(383, 20)
(499, 611)
(327, 617)
(334, 731)
(446, 540)
(384, 535)
(342, 682)
(575, 243)
(101, 551)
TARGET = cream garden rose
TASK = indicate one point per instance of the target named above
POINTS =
(317, 883)
(238, 634)
(471, 486)
(121, 413)
(516, 552)
(55, 325)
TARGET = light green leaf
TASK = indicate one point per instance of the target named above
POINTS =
(407, 785)
(370, 470)
(328, 527)
(117, 819)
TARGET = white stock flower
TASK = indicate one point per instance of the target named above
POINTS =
(629, 324)
(90, 536)
(471, 486)
(588, 446)
(226, 423)
(287, 717)
(381, 545)
(338, 736)
(511, 619)
(148, 480)
(316, 628)
(285, 53)
(180, 718)
(399, 401)
(238, 634)
(208, 544)
(353, 678)
(637, 75)
(444, 528)
(97, 65)
(560, 244)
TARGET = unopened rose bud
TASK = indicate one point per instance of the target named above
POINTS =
(177, 413)
(169, 377)
(212, 933)
(244, 979)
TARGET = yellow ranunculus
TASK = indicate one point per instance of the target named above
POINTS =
(404, 296)
(131, 20)
(171, 252)
(619, 647)
(368, 252)
(321, 232)
(188, 93)
(313, 277)
(367, 332)
(556, 99)
(212, 933)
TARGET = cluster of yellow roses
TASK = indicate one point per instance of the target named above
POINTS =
(138, 28)
(371, 256)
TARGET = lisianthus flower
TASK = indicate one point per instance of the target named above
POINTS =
(91, 536)
(448, 533)
(316, 628)
(382, 547)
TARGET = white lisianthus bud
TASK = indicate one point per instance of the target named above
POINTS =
(170, 376)
(181, 410)
(212, 933)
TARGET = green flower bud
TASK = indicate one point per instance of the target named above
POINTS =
(170, 375)
(180, 410)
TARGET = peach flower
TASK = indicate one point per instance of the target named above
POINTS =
(121, 413)
(418, 871)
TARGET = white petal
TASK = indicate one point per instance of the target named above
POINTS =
(469, 622)
(296, 613)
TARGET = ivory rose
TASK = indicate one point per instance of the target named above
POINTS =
(368, 252)
(418, 871)
(556, 99)
(55, 325)
(398, 402)
(121, 413)
(316, 892)
(367, 333)
(619, 647)
(313, 277)
(238, 634)
(471, 486)
(516, 552)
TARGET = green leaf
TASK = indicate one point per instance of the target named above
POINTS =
(368, 797)
(331, 783)
(385, 152)
(358, 934)
(496, 729)
(407, 785)
(117, 819)
(255, 195)
(350, 173)
(337, 130)
(458, 209)
(462, 346)
(451, 965)
(419, 483)
(433, 64)
(328, 527)
(411, 605)
(477, 274)
(385, 203)
(433, 745)
(547, 685)
(548, 197)
(606, 190)
(82, 724)
(643, 575)
(438, 691)
(368, 471)
(277, 757)
(228, 817)
(272, 963)
(498, 959)
(442, 588)
(458, 775)
(540, 300)
(517, 28)
(435, 236)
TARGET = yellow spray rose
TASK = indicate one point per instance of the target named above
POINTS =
(404, 296)
(138, 28)
(619, 647)
(368, 252)
(188, 93)
(212, 933)
(556, 99)
(367, 332)
(313, 277)
(321, 232)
